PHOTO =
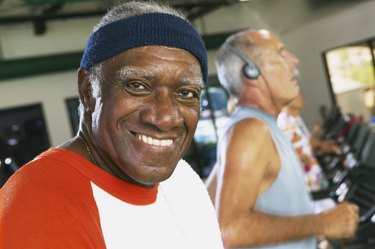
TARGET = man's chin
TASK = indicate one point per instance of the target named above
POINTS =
(153, 178)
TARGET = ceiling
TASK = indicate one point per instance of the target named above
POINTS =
(40, 11)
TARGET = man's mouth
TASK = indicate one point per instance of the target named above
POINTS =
(154, 141)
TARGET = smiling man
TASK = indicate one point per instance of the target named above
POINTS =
(121, 183)
(258, 185)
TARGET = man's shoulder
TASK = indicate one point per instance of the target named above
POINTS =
(42, 179)
(250, 130)
(251, 123)
(44, 198)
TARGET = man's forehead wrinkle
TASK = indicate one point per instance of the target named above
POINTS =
(194, 68)
(128, 71)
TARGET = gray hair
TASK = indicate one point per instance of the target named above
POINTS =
(122, 11)
(229, 66)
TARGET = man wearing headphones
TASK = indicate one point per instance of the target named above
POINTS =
(257, 185)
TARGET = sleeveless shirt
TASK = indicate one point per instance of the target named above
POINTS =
(288, 195)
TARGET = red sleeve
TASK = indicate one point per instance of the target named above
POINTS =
(48, 205)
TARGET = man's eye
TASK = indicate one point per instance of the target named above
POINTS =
(136, 88)
(136, 85)
(187, 94)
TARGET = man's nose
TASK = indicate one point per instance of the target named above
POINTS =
(293, 59)
(162, 112)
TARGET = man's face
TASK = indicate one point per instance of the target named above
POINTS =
(279, 68)
(148, 110)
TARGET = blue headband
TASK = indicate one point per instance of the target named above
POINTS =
(143, 30)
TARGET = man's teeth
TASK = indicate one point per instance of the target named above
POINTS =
(153, 141)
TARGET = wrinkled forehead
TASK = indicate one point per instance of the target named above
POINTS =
(149, 61)
(190, 77)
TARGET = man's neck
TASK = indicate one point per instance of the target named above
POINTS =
(260, 98)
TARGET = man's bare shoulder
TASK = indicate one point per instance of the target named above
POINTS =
(249, 154)
(252, 130)
(248, 141)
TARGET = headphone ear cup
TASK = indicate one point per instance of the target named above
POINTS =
(250, 71)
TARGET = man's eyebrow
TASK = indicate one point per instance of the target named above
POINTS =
(127, 71)
(190, 80)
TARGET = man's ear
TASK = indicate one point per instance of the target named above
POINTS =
(260, 81)
(85, 90)
(254, 82)
(260, 85)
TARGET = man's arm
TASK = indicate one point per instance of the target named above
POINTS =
(250, 164)
(211, 183)
(324, 146)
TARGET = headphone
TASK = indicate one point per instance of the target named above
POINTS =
(249, 69)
